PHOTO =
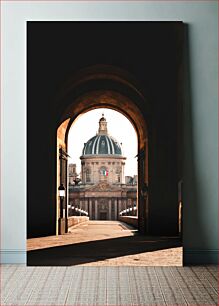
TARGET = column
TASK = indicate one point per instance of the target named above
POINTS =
(110, 210)
(86, 205)
(80, 205)
(125, 204)
(123, 173)
(96, 212)
(90, 209)
(120, 206)
(116, 210)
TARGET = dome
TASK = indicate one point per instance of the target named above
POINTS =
(102, 144)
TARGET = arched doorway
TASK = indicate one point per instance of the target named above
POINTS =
(110, 87)
(119, 102)
(158, 163)
(102, 166)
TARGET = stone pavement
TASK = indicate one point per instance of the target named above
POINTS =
(104, 243)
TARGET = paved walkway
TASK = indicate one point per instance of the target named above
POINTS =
(104, 243)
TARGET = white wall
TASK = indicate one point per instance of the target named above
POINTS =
(200, 120)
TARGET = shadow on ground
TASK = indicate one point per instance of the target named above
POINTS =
(93, 251)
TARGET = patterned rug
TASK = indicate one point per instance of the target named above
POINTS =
(103, 286)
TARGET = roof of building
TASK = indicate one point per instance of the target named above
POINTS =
(102, 143)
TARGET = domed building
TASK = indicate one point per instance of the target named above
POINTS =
(102, 159)
(102, 193)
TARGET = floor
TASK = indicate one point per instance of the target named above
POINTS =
(124, 286)
(104, 243)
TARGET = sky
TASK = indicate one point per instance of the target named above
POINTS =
(86, 126)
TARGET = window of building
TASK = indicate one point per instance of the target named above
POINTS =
(88, 175)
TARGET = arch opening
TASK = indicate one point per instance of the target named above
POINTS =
(114, 101)
(103, 147)
(157, 177)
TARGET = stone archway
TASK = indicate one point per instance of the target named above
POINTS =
(158, 161)
(109, 87)
(116, 101)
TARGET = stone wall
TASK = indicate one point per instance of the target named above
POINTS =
(77, 220)
(132, 220)
(114, 165)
